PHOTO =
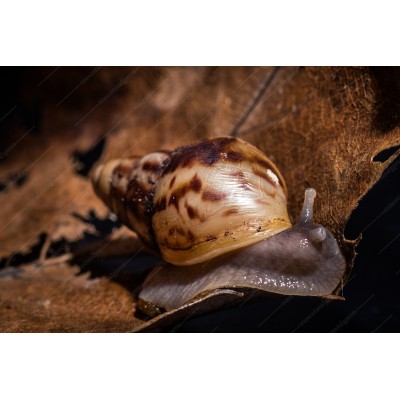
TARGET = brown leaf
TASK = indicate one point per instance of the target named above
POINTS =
(56, 299)
(321, 126)
(52, 194)
(76, 110)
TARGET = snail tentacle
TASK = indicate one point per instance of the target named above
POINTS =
(306, 215)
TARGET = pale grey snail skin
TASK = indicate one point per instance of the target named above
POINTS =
(304, 260)
(217, 211)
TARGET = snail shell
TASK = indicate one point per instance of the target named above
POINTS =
(219, 208)
(198, 201)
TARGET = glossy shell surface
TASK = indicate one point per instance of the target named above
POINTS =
(214, 197)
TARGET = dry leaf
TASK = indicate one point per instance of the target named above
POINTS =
(57, 299)
(321, 126)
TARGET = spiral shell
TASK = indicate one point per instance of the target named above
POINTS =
(198, 201)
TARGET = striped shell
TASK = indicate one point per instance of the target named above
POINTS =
(198, 201)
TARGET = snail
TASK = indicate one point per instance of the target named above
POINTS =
(216, 211)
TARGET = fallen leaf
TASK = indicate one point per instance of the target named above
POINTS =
(57, 299)
(323, 127)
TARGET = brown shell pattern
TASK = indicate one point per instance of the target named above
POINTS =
(198, 201)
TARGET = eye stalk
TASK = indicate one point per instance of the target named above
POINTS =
(318, 235)
(306, 215)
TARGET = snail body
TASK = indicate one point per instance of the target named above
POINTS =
(304, 260)
(216, 210)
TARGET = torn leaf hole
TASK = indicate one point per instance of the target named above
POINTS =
(384, 155)
(84, 161)
(103, 226)
(18, 259)
(13, 180)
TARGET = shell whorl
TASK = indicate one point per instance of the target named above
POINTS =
(127, 187)
(198, 201)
